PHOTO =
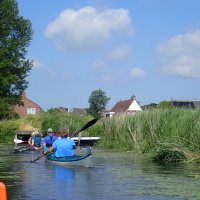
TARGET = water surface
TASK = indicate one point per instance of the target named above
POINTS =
(113, 176)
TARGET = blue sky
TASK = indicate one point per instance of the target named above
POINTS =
(146, 48)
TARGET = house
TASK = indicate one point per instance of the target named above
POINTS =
(79, 111)
(29, 107)
(185, 104)
(75, 111)
(129, 106)
(65, 110)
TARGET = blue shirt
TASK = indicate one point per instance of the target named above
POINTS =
(64, 147)
(50, 139)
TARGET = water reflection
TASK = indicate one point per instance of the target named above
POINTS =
(113, 176)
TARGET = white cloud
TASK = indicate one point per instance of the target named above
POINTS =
(180, 55)
(87, 27)
(120, 53)
(137, 72)
(37, 64)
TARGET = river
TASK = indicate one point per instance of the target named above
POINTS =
(116, 176)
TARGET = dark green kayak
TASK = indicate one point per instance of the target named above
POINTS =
(77, 160)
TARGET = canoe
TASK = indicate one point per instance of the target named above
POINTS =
(77, 160)
(27, 149)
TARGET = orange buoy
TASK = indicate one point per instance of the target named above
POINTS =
(3, 194)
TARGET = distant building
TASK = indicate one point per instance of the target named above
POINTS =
(65, 110)
(29, 107)
(129, 106)
(76, 111)
(185, 104)
(79, 111)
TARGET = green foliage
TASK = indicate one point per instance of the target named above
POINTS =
(15, 36)
(150, 106)
(164, 104)
(54, 110)
(57, 120)
(7, 131)
(165, 135)
(97, 103)
(6, 110)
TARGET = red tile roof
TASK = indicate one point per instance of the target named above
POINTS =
(122, 106)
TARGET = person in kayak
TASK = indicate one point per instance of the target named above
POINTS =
(36, 142)
(30, 141)
(50, 138)
(63, 147)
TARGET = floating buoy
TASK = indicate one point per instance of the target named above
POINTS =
(3, 194)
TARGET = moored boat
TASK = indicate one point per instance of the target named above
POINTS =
(77, 160)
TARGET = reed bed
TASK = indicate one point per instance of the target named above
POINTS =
(165, 135)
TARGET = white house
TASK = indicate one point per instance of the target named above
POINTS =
(129, 106)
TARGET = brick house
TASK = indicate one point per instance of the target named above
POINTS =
(129, 106)
(29, 107)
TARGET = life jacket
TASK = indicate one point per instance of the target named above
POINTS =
(37, 141)
(50, 139)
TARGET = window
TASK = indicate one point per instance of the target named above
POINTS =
(31, 111)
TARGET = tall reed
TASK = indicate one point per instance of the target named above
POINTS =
(170, 135)
(165, 134)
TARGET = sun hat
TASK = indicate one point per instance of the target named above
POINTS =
(49, 130)
(37, 132)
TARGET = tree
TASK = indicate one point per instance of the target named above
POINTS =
(164, 104)
(15, 36)
(97, 101)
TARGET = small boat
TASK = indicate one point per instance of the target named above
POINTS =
(26, 149)
(77, 160)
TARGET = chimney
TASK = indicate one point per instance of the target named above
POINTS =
(133, 97)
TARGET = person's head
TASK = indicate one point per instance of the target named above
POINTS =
(49, 130)
(37, 133)
(64, 133)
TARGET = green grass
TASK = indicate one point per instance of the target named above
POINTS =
(165, 135)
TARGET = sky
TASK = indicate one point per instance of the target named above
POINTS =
(146, 48)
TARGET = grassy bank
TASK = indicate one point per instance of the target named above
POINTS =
(55, 120)
(169, 135)
(165, 135)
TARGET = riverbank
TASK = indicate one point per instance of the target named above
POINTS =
(164, 135)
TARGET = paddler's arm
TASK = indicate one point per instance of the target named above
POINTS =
(51, 149)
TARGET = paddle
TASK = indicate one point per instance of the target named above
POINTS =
(90, 123)
(38, 158)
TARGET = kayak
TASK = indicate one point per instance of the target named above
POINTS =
(77, 160)
(25, 149)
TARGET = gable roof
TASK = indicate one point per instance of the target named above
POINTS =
(25, 99)
(124, 106)
(121, 106)
(22, 110)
